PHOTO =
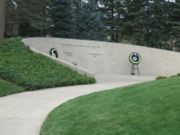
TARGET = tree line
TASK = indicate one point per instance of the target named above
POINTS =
(154, 23)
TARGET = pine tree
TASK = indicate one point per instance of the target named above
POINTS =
(90, 22)
(77, 4)
(142, 22)
(174, 24)
(148, 20)
(2, 19)
(30, 18)
(158, 24)
(109, 10)
(62, 14)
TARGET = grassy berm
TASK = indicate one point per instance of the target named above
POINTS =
(151, 108)
(33, 71)
(7, 88)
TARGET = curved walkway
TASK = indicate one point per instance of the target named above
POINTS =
(23, 114)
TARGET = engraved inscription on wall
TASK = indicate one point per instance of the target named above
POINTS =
(96, 54)
(93, 54)
(84, 46)
(68, 54)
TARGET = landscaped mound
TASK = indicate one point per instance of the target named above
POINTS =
(151, 108)
(33, 71)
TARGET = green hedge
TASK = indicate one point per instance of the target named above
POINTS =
(20, 65)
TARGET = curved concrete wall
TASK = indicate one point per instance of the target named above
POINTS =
(106, 57)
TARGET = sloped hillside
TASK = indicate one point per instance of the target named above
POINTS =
(7, 88)
(33, 71)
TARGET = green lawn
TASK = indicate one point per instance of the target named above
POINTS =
(151, 108)
(34, 71)
(7, 88)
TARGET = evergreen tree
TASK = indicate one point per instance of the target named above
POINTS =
(154, 23)
(77, 4)
(158, 18)
(62, 14)
(90, 22)
(142, 22)
(30, 18)
(2, 19)
(148, 21)
(174, 24)
(108, 7)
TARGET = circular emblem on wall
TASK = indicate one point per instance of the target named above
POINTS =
(53, 52)
(135, 58)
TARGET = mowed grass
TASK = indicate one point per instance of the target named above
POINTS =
(18, 64)
(7, 88)
(151, 108)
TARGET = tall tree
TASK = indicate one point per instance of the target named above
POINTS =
(108, 8)
(90, 22)
(142, 22)
(30, 18)
(156, 22)
(174, 24)
(62, 13)
(2, 19)
(77, 5)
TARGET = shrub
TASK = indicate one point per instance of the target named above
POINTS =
(173, 76)
(161, 77)
(20, 65)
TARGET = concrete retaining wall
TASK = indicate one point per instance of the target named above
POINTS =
(108, 58)
(67, 64)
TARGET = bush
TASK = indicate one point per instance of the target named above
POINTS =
(20, 65)
(173, 76)
(161, 77)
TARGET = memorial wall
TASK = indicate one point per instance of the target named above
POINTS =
(107, 57)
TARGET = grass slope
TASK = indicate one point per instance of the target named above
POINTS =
(33, 71)
(7, 88)
(151, 108)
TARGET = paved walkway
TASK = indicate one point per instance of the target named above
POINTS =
(23, 114)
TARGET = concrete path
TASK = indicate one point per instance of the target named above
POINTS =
(23, 114)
